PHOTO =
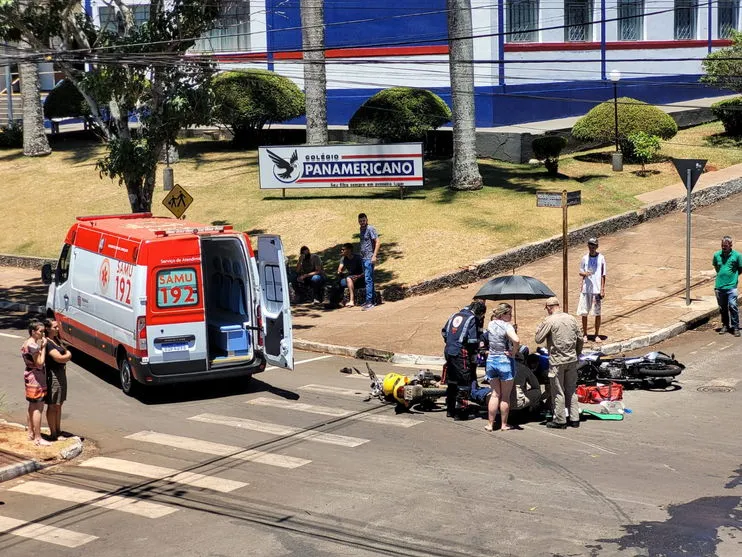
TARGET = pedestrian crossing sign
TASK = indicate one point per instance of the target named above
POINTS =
(177, 201)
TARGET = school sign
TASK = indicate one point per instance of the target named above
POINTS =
(341, 166)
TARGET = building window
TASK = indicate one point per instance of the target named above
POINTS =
(522, 21)
(111, 21)
(231, 33)
(728, 17)
(685, 19)
(630, 20)
(578, 18)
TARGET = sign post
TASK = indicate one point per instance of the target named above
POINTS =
(563, 200)
(690, 170)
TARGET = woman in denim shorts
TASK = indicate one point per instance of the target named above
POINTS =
(500, 368)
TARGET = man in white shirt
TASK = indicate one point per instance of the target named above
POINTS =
(593, 272)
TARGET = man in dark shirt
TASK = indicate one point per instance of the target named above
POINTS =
(351, 269)
(461, 336)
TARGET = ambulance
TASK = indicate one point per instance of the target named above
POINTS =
(166, 301)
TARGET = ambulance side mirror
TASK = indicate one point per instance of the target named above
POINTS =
(46, 273)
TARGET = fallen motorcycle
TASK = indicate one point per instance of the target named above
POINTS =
(653, 370)
(423, 388)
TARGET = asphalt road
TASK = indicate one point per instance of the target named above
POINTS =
(331, 474)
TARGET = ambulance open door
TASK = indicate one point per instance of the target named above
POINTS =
(274, 293)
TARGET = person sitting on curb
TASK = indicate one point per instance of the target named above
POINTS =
(351, 271)
(311, 274)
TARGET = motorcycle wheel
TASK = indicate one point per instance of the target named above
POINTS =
(663, 370)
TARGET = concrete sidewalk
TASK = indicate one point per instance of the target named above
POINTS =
(644, 304)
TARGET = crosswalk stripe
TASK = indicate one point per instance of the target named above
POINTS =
(325, 389)
(161, 473)
(44, 533)
(276, 429)
(397, 421)
(130, 505)
(302, 362)
(217, 449)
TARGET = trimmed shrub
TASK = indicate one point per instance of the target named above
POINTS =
(547, 148)
(245, 101)
(730, 114)
(65, 101)
(643, 147)
(11, 136)
(400, 114)
(633, 116)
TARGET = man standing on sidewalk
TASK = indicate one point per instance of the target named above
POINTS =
(592, 271)
(369, 251)
(564, 342)
(727, 263)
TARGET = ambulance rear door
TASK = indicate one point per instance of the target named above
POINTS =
(274, 302)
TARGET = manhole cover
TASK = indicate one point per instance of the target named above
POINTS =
(715, 389)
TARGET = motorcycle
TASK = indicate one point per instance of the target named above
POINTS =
(654, 369)
(424, 388)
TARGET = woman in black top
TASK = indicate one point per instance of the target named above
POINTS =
(57, 357)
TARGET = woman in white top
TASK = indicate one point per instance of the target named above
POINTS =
(500, 369)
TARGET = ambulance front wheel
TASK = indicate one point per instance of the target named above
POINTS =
(128, 383)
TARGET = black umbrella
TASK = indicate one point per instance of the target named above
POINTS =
(514, 287)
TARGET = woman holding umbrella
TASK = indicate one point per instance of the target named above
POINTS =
(500, 369)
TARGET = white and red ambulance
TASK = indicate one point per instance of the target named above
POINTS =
(166, 300)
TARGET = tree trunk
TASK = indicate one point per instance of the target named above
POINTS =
(35, 143)
(315, 80)
(461, 54)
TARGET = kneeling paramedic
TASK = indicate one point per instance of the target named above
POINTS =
(461, 334)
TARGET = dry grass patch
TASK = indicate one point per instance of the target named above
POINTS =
(431, 231)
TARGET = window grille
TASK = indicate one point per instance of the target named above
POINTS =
(728, 17)
(522, 21)
(630, 20)
(685, 19)
(578, 20)
(231, 32)
(110, 20)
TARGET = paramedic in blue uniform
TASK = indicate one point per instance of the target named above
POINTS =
(461, 336)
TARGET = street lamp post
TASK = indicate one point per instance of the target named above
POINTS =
(617, 157)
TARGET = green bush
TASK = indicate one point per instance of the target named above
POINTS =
(730, 114)
(65, 101)
(547, 148)
(400, 114)
(11, 136)
(633, 116)
(245, 101)
(643, 147)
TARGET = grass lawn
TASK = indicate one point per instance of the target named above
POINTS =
(431, 231)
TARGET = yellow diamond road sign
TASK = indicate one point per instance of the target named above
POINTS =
(177, 200)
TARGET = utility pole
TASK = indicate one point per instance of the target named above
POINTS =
(315, 79)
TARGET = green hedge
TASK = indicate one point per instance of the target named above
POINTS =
(547, 148)
(633, 116)
(11, 136)
(400, 114)
(245, 101)
(730, 114)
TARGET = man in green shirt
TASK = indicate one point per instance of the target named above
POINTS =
(727, 263)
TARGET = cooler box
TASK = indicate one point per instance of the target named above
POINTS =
(233, 338)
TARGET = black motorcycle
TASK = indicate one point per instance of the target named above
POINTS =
(653, 370)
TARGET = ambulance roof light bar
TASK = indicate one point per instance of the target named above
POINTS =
(194, 230)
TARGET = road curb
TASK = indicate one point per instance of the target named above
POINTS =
(18, 469)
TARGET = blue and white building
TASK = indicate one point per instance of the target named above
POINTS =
(533, 59)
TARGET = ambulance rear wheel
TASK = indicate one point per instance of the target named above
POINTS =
(128, 383)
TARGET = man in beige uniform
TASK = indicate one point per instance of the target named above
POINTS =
(564, 341)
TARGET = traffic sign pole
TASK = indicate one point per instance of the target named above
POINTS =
(689, 187)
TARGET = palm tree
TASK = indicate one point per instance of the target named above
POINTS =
(461, 54)
(35, 143)
(315, 80)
